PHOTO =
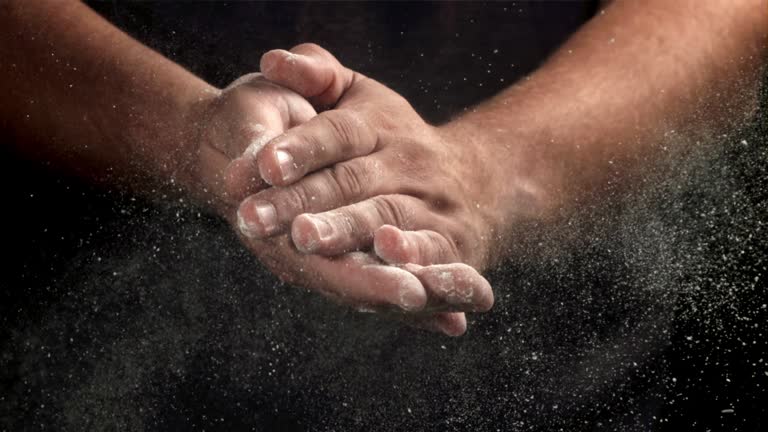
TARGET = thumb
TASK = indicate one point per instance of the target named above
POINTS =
(310, 71)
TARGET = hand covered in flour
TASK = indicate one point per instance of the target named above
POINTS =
(233, 126)
(371, 175)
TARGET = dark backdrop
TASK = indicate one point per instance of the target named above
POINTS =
(118, 313)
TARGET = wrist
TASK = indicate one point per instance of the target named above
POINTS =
(165, 139)
(518, 179)
(184, 159)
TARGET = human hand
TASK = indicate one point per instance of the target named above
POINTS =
(231, 127)
(410, 191)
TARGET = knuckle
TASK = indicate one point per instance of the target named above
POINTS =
(354, 223)
(390, 211)
(440, 252)
(340, 124)
(329, 187)
(298, 197)
(308, 139)
(351, 179)
(447, 241)
(350, 130)
(438, 249)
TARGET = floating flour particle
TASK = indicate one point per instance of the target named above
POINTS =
(365, 309)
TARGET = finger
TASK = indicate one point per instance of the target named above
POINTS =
(328, 138)
(225, 134)
(241, 175)
(352, 227)
(449, 323)
(251, 112)
(357, 279)
(294, 109)
(327, 189)
(457, 287)
(310, 71)
(242, 120)
(425, 247)
(238, 131)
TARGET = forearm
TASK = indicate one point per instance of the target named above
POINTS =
(82, 94)
(603, 103)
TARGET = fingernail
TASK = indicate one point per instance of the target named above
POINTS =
(265, 223)
(309, 240)
(288, 169)
(267, 216)
(323, 229)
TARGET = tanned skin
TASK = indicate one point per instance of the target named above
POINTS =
(426, 206)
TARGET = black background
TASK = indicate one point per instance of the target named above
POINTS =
(120, 313)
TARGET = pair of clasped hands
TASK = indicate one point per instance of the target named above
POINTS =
(338, 185)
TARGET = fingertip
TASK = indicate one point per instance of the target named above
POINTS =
(458, 285)
(483, 292)
(390, 245)
(413, 296)
(451, 324)
(270, 60)
(309, 232)
(397, 287)
(486, 299)
(304, 74)
(256, 219)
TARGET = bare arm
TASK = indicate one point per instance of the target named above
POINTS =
(603, 103)
(456, 193)
(84, 96)
(81, 93)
